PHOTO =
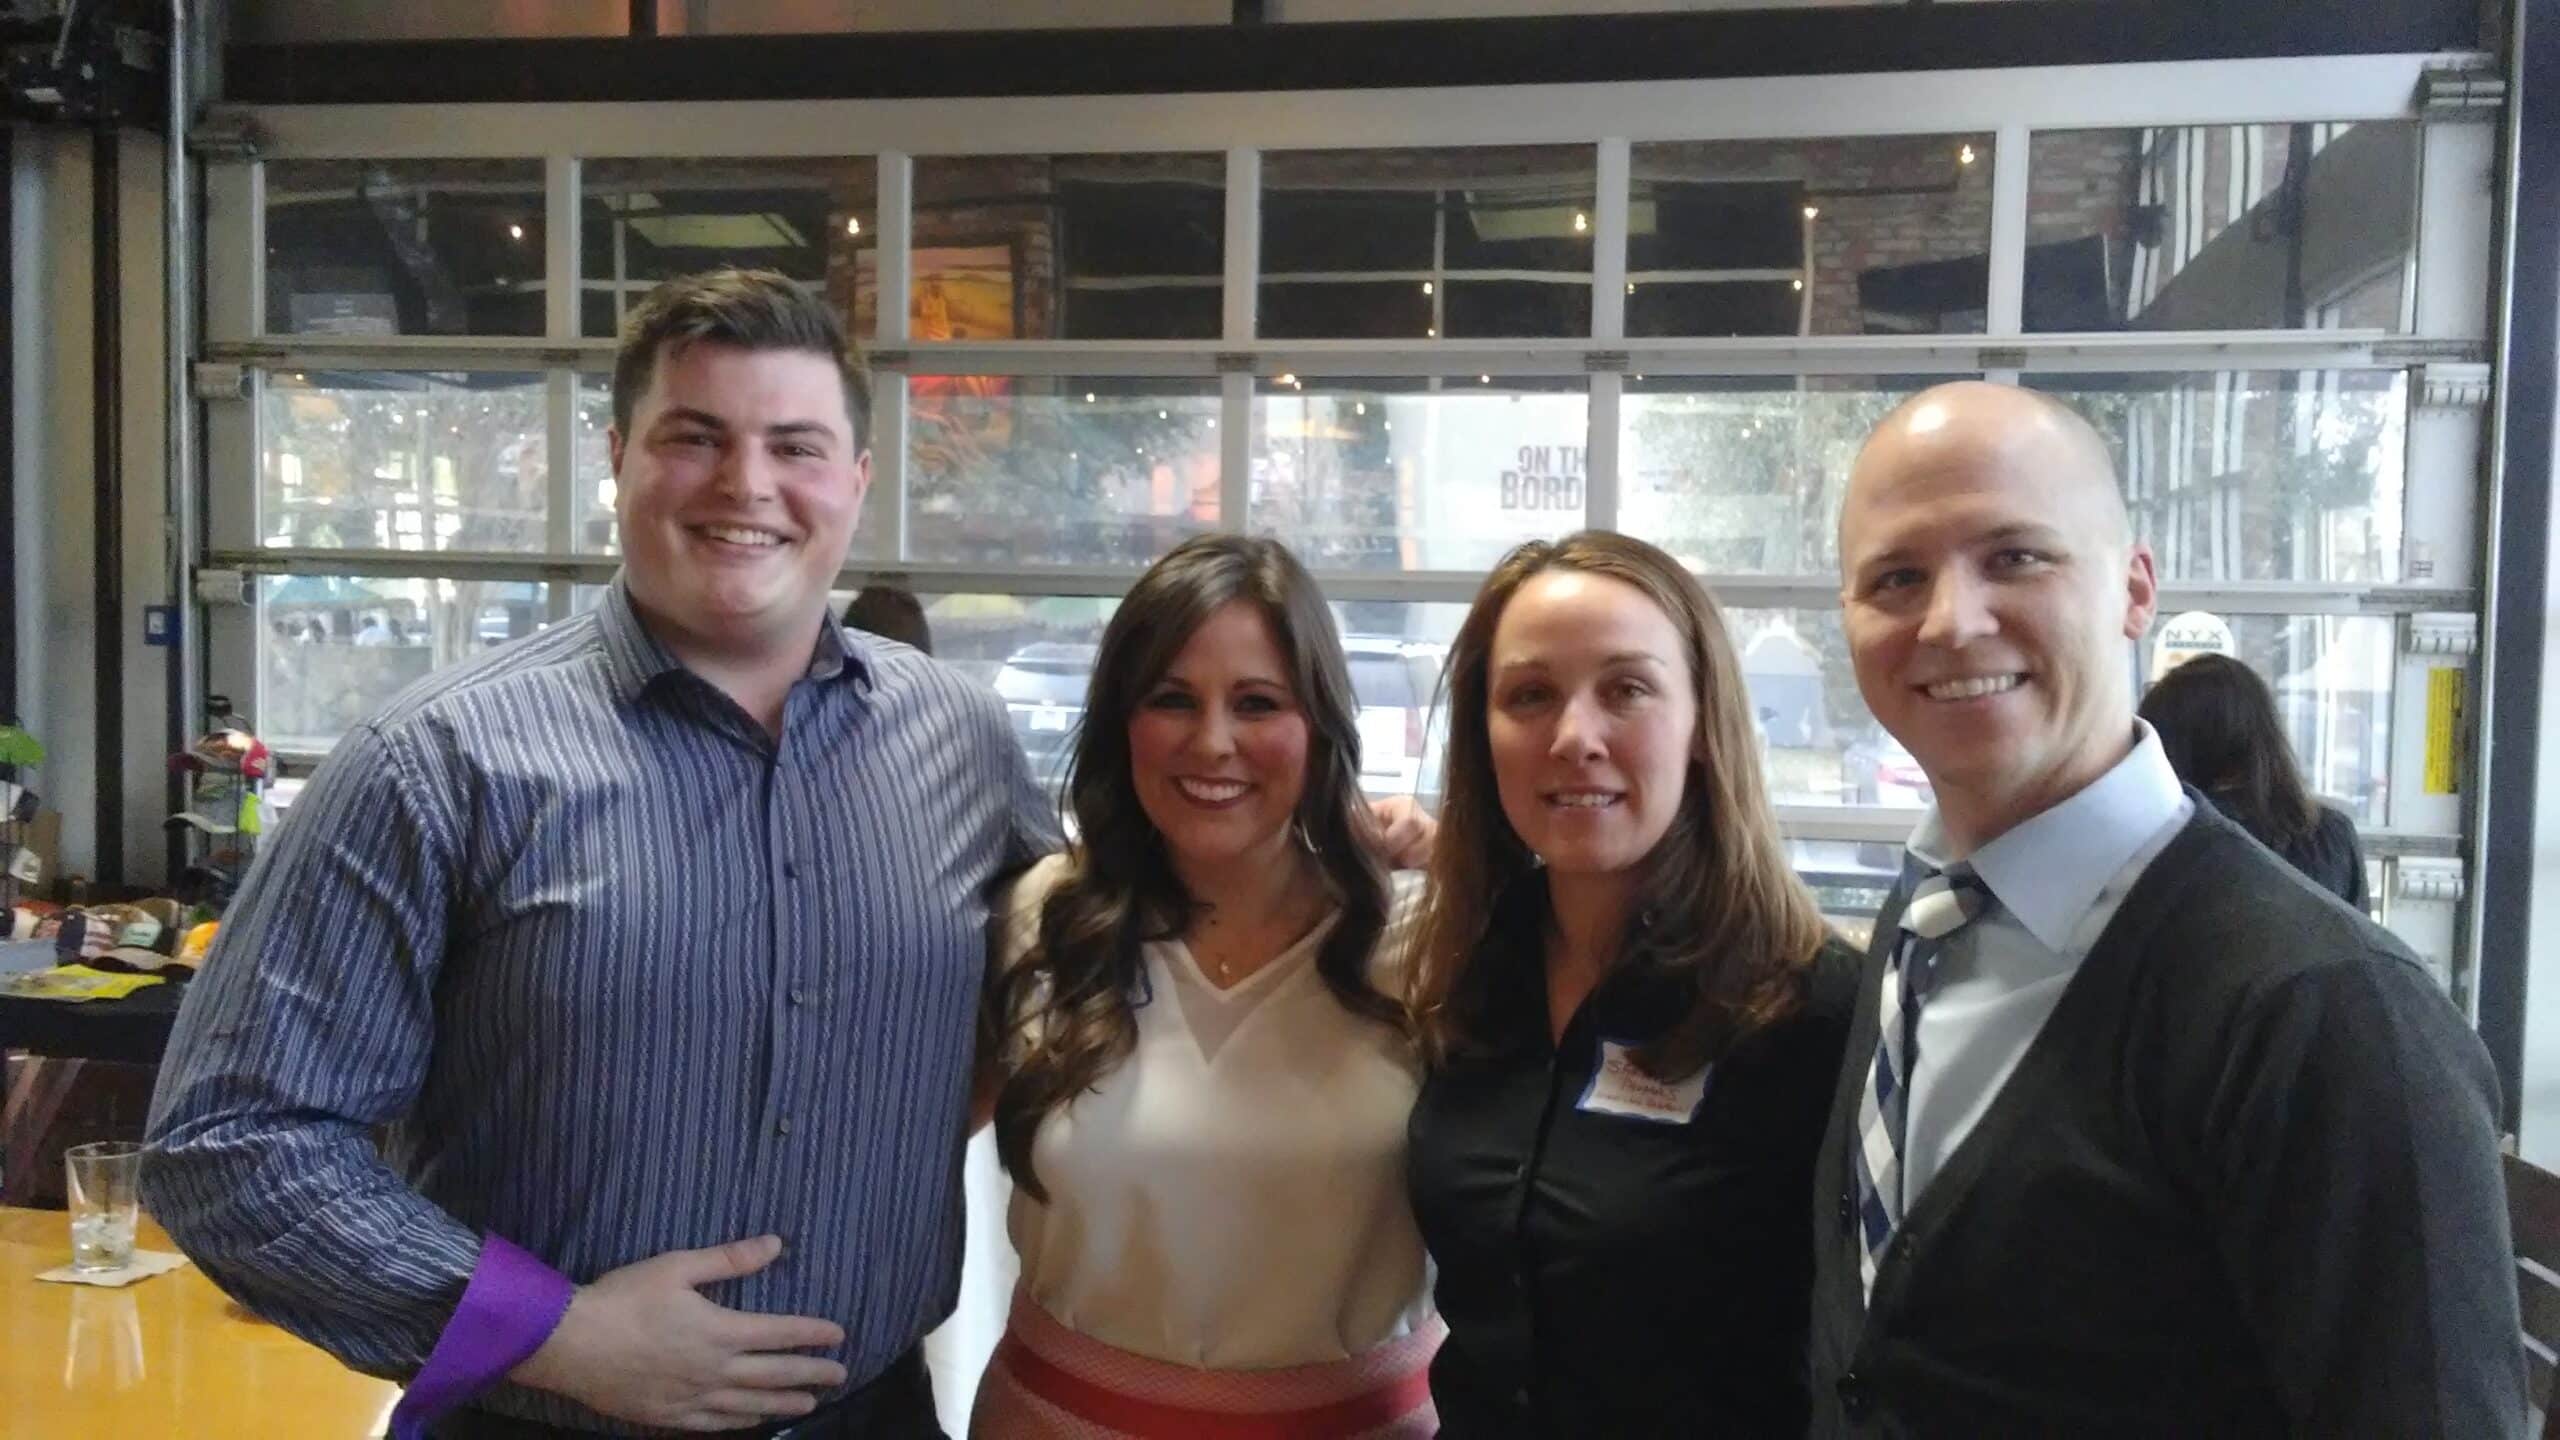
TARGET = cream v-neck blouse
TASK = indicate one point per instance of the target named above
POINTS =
(1232, 1195)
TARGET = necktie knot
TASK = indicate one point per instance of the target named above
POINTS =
(1944, 901)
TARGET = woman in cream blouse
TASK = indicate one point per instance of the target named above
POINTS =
(1205, 1085)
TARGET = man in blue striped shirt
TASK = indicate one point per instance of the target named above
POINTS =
(655, 940)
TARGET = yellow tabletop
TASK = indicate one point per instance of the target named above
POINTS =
(168, 1356)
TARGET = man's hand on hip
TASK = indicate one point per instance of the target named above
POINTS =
(642, 1344)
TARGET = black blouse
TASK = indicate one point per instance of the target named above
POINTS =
(1615, 1273)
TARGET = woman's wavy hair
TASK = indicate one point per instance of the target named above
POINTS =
(1064, 1015)
(1717, 907)
(2218, 728)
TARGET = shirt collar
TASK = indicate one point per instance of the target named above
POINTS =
(2050, 870)
(634, 658)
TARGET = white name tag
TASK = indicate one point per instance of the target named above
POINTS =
(1621, 1087)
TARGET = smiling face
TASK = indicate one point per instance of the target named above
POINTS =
(738, 488)
(1218, 747)
(1990, 590)
(1592, 721)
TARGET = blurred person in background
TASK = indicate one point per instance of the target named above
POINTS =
(2217, 724)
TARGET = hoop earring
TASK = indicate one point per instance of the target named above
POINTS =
(1304, 837)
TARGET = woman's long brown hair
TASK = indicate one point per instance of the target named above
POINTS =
(1064, 1013)
(1719, 905)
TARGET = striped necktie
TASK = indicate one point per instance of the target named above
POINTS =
(1940, 904)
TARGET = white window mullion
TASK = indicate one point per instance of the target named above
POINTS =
(1601, 458)
(560, 321)
(2011, 152)
(893, 268)
(1609, 243)
(1241, 318)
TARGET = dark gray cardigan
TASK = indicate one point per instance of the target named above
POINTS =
(2244, 1182)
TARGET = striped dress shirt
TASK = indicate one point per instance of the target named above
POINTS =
(622, 974)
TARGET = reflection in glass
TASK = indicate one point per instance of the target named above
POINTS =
(2257, 475)
(391, 460)
(1418, 475)
(1427, 244)
(643, 221)
(1743, 475)
(1848, 236)
(332, 648)
(1068, 247)
(2221, 227)
(1021, 470)
(404, 247)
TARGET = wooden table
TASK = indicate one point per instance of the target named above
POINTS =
(168, 1356)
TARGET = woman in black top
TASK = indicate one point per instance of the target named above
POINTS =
(1633, 1014)
(2218, 726)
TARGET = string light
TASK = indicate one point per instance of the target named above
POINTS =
(1288, 379)
(1360, 407)
(1581, 222)
(853, 225)
(1088, 397)
(515, 232)
(1433, 333)
(1810, 211)
(1799, 284)
(1965, 155)
(1426, 287)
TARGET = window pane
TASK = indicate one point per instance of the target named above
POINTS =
(1869, 235)
(1417, 475)
(404, 247)
(1743, 475)
(333, 649)
(1424, 244)
(2332, 676)
(1036, 651)
(2257, 475)
(2221, 227)
(643, 221)
(391, 460)
(1016, 470)
(1068, 247)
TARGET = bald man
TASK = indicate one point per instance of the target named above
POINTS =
(2139, 1132)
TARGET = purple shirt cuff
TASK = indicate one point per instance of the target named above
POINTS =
(511, 1306)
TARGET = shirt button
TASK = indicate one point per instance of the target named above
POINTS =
(782, 1126)
(1848, 1211)
(790, 869)
(799, 996)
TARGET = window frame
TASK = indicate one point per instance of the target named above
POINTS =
(2444, 309)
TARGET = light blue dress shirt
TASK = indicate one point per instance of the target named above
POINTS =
(2055, 881)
